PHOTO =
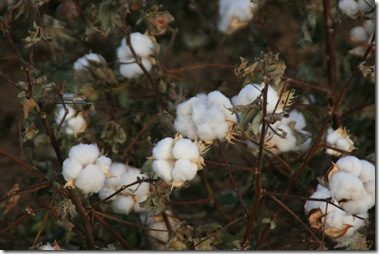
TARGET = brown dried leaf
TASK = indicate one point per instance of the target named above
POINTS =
(337, 232)
(28, 106)
(314, 218)
(333, 169)
(13, 200)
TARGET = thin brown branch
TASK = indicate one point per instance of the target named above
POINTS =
(41, 228)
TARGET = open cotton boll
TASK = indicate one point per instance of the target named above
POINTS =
(71, 169)
(184, 170)
(104, 163)
(332, 136)
(142, 44)
(84, 153)
(131, 69)
(106, 192)
(247, 95)
(84, 62)
(221, 102)
(122, 204)
(129, 177)
(163, 169)
(358, 34)
(162, 150)
(321, 193)
(370, 188)
(116, 171)
(368, 171)
(61, 113)
(185, 149)
(185, 126)
(357, 206)
(91, 179)
(76, 125)
(366, 5)
(283, 145)
(369, 26)
(296, 117)
(345, 186)
(349, 7)
(350, 164)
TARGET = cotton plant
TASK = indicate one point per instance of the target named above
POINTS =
(361, 36)
(340, 139)
(83, 63)
(85, 168)
(73, 123)
(235, 14)
(177, 160)
(145, 48)
(350, 190)
(129, 199)
(206, 117)
(354, 8)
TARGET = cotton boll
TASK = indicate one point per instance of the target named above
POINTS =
(106, 192)
(248, 94)
(349, 7)
(122, 204)
(350, 164)
(162, 150)
(185, 149)
(124, 54)
(61, 113)
(221, 130)
(345, 186)
(321, 193)
(116, 171)
(184, 170)
(185, 126)
(91, 179)
(358, 34)
(369, 26)
(184, 108)
(84, 62)
(198, 112)
(132, 70)
(218, 100)
(142, 44)
(130, 177)
(332, 136)
(357, 206)
(344, 144)
(366, 5)
(84, 154)
(77, 124)
(104, 163)
(71, 169)
(355, 222)
(297, 117)
(368, 171)
(272, 100)
(286, 144)
(370, 188)
(163, 169)
(162, 236)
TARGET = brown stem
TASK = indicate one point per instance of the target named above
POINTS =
(41, 228)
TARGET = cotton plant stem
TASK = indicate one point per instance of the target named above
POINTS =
(41, 228)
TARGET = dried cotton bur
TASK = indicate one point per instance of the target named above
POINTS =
(351, 193)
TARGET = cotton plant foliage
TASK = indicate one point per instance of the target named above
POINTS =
(85, 168)
(207, 117)
(129, 199)
(351, 193)
(339, 139)
(177, 160)
(235, 14)
(145, 47)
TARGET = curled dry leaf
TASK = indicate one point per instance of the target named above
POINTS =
(28, 106)
(314, 218)
(337, 232)
(13, 200)
(333, 169)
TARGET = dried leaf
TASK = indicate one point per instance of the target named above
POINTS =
(337, 232)
(28, 106)
(13, 200)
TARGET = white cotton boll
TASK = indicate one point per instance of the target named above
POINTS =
(91, 179)
(185, 108)
(349, 7)
(370, 188)
(124, 54)
(84, 154)
(241, 10)
(332, 136)
(297, 117)
(116, 171)
(130, 177)
(334, 217)
(355, 222)
(366, 5)
(184, 170)
(358, 34)
(367, 172)
(61, 113)
(357, 206)
(71, 169)
(272, 100)
(104, 163)
(344, 144)
(162, 150)
(185, 149)
(69, 131)
(163, 169)
(47, 246)
(206, 132)
(198, 112)
(321, 193)
(162, 236)
(132, 70)
(369, 26)
(221, 130)
(185, 126)
(350, 164)
(77, 124)
(106, 192)
(247, 95)
(122, 204)
(84, 62)
(345, 186)
(142, 44)
(219, 100)
(286, 144)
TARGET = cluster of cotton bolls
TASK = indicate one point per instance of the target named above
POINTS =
(127, 200)
(354, 8)
(84, 62)
(351, 187)
(340, 139)
(361, 37)
(205, 117)
(177, 160)
(144, 46)
(85, 168)
(235, 14)
(288, 134)
(74, 122)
